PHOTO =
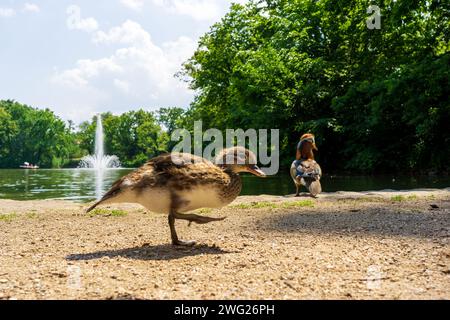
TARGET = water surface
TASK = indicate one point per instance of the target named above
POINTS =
(83, 185)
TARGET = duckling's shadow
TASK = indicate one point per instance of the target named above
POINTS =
(149, 252)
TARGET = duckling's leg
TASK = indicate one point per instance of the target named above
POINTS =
(191, 217)
(173, 232)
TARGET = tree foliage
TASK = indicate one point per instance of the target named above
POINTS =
(376, 99)
(33, 135)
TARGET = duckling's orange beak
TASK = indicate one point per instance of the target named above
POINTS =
(253, 169)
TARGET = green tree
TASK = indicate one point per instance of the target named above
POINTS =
(33, 135)
(304, 65)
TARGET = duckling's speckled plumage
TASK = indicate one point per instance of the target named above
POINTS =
(178, 182)
(187, 174)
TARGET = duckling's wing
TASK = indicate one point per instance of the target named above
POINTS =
(173, 171)
(178, 171)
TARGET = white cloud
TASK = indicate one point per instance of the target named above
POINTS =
(138, 70)
(129, 32)
(31, 7)
(86, 69)
(76, 22)
(7, 12)
(122, 85)
(136, 5)
(201, 10)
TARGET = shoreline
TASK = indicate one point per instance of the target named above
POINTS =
(344, 245)
(384, 193)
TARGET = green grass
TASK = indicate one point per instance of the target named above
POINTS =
(255, 205)
(32, 215)
(8, 217)
(108, 213)
(298, 204)
(274, 205)
(360, 199)
(400, 198)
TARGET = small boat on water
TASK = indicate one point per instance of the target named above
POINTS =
(27, 165)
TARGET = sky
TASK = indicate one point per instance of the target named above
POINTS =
(79, 58)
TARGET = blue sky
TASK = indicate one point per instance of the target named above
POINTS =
(79, 58)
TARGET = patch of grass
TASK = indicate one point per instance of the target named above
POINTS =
(298, 204)
(8, 217)
(400, 198)
(108, 213)
(264, 205)
(255, 205)
(32, 215)
(274, 205)
(361, 199)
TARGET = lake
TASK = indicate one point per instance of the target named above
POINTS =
(80, 184)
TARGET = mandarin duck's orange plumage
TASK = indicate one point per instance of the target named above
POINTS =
(305, 170)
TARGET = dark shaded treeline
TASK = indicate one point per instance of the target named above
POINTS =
(377, 100)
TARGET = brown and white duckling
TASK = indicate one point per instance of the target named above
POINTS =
(179, 182)
(305, 170)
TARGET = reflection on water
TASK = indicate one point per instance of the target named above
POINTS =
(85, 185)
(73, 184)
(99, 183)
(282, 184)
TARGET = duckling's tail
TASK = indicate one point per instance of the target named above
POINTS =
(115, 189)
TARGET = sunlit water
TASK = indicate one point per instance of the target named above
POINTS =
(83, 185)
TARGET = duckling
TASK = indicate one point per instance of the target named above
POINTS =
(305, 170)
(177, 183)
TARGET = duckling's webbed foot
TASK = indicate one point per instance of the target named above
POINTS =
(173, 233)
(186, 243)
(191, 217)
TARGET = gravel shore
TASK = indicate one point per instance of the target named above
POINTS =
(345, 245)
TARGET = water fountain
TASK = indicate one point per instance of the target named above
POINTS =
(99, 161)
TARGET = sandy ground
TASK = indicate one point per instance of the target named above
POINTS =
(375, 245)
